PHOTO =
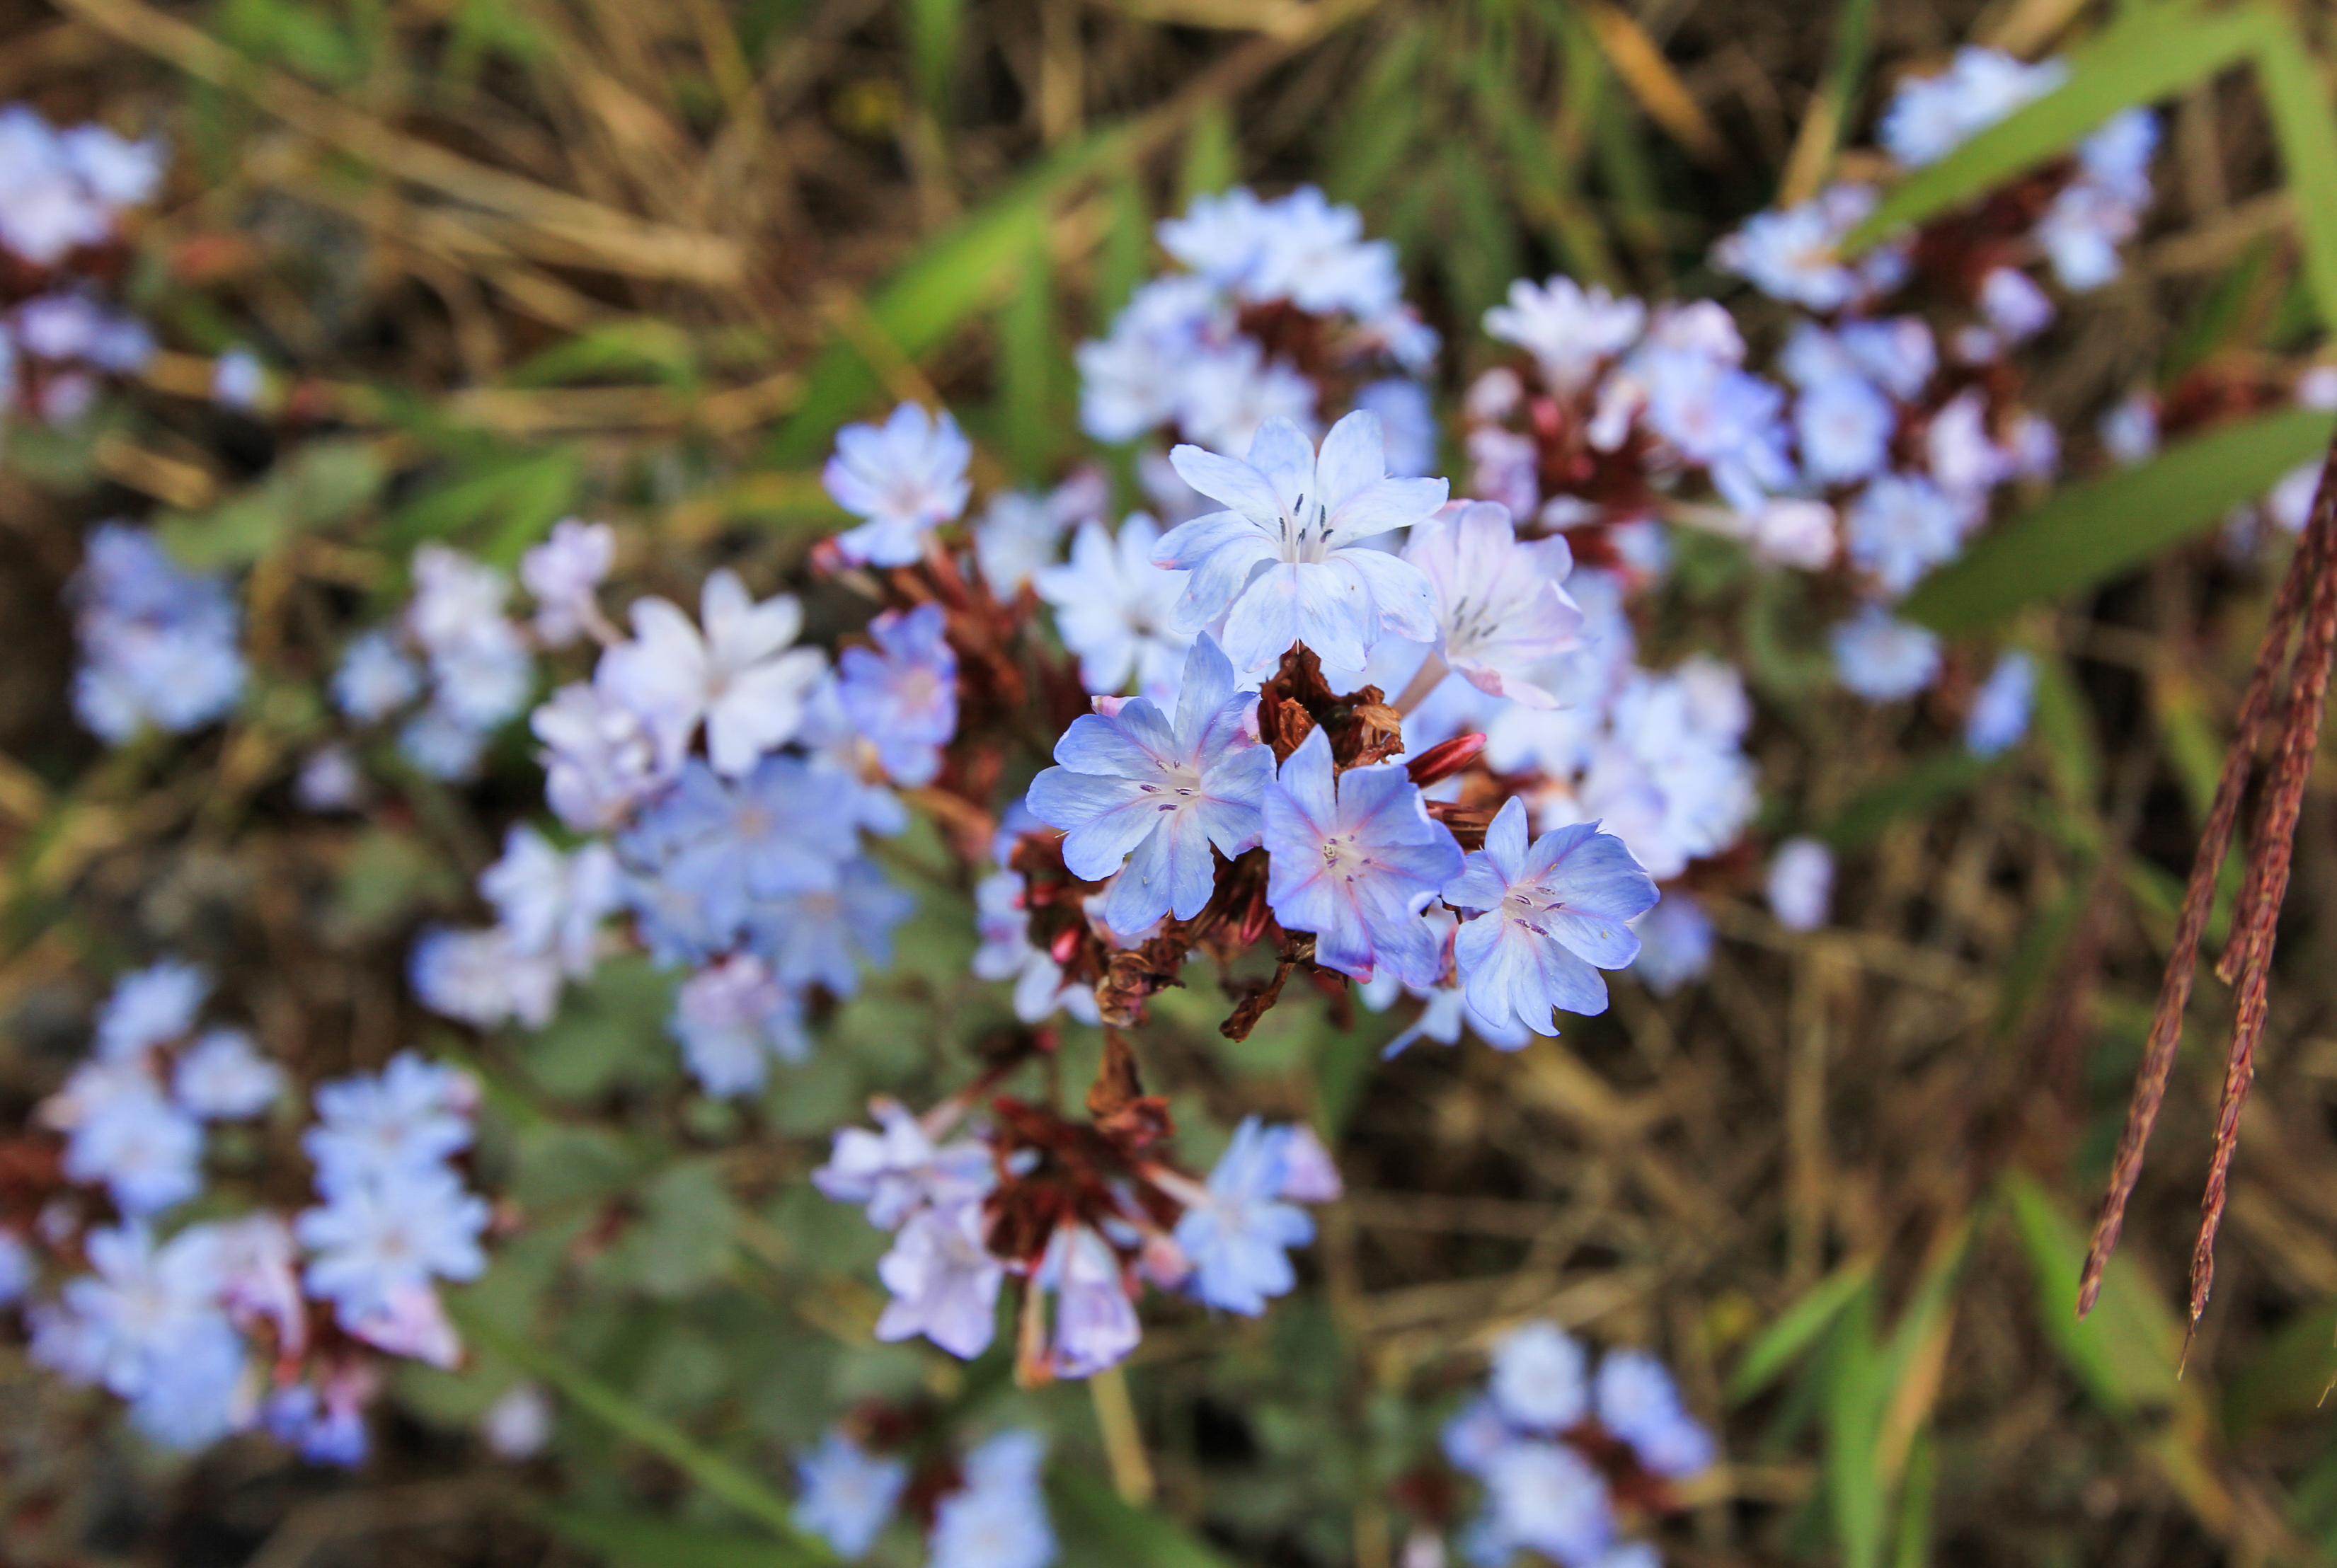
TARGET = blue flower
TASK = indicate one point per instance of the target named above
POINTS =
(1541, 1379)
(1844, 428)
(1237, 1240)
(1801, 884)
(1000, 1519)
(1638, 1403)
(1131, 788)
(731, 1018)
(158, 643)
(1300, 516)
(1883, 659)
(903, 694)
(713, 849)
(1999, 709)
(1676, 941)
(1902, 527)
(821, 936)
(1556, 912)
(848, 1494)
(906, 477)
(376, 679)
(1356, 860)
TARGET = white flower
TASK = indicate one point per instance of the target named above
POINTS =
(563, 573)
(1301, 517)
(906, 477)
(553, 904)
(1501, 604)
(1118, 611)
(396, 1232)
(740, 677)
(1571, 331)
(223, 1076)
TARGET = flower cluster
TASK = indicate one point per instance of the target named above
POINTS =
(986, 1512)
(1907, 426)
(63, 194)
(157, 642)
(219, 1325)
(707, 764)
(1086, 1215)
(1565, 1455)
(1285, 308)
(454, 666)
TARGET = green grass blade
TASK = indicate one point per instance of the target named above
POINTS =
(1127, 248)
(1028, 352)
(952, 279)
(2296, 95)
(2125, 1353)
(934, 27)
(1100, 1531)
(1785, 1340)
(1212, 157)
(2089, 532)
(2145, 56)
(718, 1475)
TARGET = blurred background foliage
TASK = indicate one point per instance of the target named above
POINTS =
(515, 259)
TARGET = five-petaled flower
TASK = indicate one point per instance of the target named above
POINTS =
(1286, 563)
(1554, 914)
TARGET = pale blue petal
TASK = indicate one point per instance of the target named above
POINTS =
(1140, 894)
(1136, 743)
(1306, 789)
(1401, 598)
(1188, 544)
(1505, 840)
(1237, 484)
(1281, 451)
(1386, 504)
(1608, 943)
(1354, 455)
(1208, 687)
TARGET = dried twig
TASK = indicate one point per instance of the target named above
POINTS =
(2309, 578)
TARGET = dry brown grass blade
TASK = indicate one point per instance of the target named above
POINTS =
(2310, 564)
(1654, 82)
(609, 238)
(2258, 918)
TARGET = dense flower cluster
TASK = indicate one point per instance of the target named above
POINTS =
(986, 1512)
(709, 764)
(1564, 1454)
(455, 668)
(157, 642)
(1284, 307)
(1907, 427)
(63, 194)
(1082, 1214)
(218, 1325)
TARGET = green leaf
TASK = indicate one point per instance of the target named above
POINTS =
(2296, 95)
(953, 278)
(1783, 1340)
(2090, 532)
(322, 483)
(609, 1030)
(715, 1474)
(2149, 53)
(628, 1540)
(1127, 248)
(2125, 1353)
(683, 1239)
(1100, 1531)
(1858, 1388)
